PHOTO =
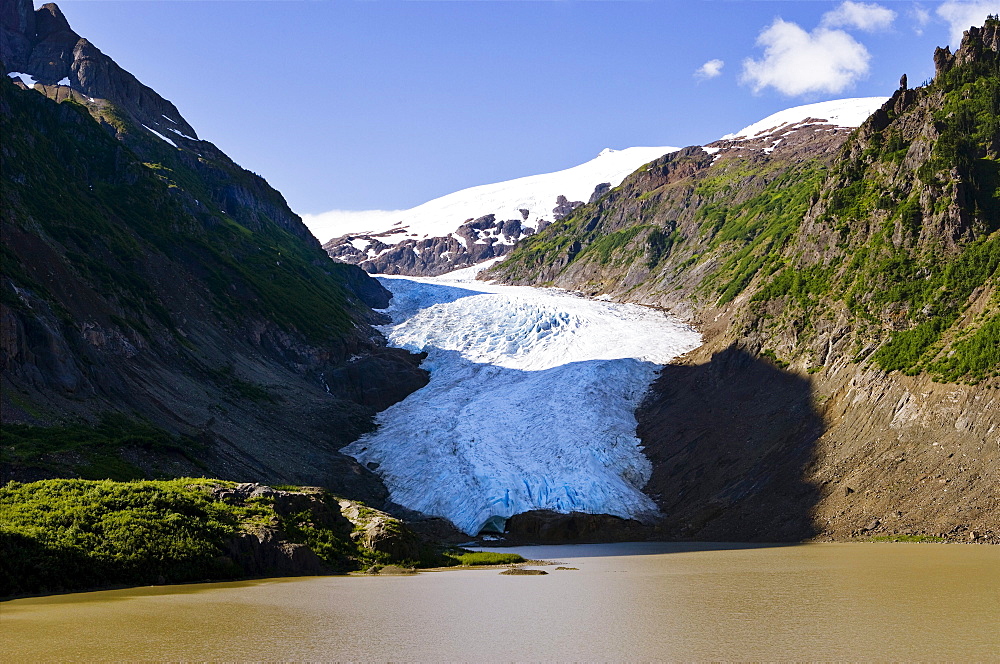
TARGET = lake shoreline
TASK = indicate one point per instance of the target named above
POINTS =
(626, 601)
(674, 546)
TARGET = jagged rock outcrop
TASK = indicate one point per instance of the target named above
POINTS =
(267, 554)
(474, 241)
(564, 207)
(268, 551)
(599, 192)
(379, 532)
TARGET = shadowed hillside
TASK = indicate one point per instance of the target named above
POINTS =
(164, 312)
(729, 441)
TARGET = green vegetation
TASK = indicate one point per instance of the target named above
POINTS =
(930, 289)
(659, 245)
(92, 451)
(473, 558)
(608, 246)
(974, 358)
(907, 538)
(72, 534)
(75, 534)
(753, 234)
(802, 285)
(775, 360)
(339, 553)
(225, 377)
(125, 224)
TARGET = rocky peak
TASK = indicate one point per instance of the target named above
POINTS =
(42, 43)
(975, 43)
(599, 191)
(49, 20)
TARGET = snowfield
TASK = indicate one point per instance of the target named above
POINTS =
(536, 193)
(837, 113)
(530, 404)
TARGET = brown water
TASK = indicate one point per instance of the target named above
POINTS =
(626, 602)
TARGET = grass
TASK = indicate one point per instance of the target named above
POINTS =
(474, 558)
(93, 450)
(907, 538)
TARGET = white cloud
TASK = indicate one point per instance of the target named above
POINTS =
(328, 225)
(710, 69)
(869, 17)
(961, 16)
(797, 62)
(922, 17)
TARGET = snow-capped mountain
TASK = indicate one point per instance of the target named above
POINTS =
(837, 113)
(476, 224)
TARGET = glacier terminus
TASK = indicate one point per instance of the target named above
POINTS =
(530, 403)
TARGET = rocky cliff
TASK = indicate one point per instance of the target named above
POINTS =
(164, 312)
(472, 242)
(847, 286)
(64, 65)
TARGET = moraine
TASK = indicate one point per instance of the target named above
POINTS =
(530, 404)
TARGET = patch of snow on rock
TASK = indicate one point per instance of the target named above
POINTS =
(181, 134)
(530, 404)
(839, 113)
(161, 136)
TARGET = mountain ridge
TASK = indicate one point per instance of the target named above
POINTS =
(477, 223)
(485, 222)
(164, 311)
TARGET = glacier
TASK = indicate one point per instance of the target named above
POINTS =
(530, 403)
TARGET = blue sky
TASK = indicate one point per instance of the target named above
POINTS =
(385, 105)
